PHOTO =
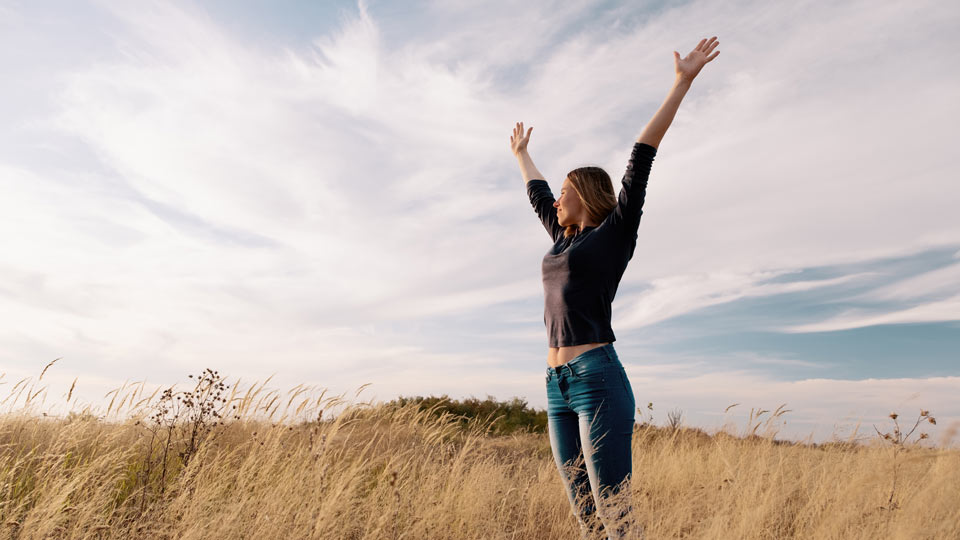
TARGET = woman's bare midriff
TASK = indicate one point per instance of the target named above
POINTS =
(558, 356)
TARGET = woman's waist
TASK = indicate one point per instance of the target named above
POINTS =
(558, 356)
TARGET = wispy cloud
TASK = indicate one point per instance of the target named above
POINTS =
(942, 310)
(932, 284)
(680, 294)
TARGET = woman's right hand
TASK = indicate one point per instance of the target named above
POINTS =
(518, 141)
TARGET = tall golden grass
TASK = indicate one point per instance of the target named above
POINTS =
(218, 462)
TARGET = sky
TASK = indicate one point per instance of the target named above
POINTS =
(324, 193)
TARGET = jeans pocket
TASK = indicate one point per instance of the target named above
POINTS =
(591, 375)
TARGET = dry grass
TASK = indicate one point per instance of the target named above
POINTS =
(398, 472)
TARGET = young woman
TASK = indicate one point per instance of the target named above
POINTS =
(591, 404)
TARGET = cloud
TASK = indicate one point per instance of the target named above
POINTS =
(942, 310)
(680, 294)
(932, 284)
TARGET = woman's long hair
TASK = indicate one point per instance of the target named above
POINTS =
(595, 189)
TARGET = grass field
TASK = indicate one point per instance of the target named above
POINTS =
(219, 463)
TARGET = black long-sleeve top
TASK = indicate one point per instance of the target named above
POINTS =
(581, 273)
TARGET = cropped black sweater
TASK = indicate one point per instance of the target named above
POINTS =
(581, 273)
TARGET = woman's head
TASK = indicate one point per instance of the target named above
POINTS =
(586, 196)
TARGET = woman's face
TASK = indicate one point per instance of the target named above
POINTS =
(569, 208)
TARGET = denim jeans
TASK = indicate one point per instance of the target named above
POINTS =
(590, 416)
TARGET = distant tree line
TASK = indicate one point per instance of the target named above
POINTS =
(511, 416)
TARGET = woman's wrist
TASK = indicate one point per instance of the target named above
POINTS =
(683, 79)
(679, 89)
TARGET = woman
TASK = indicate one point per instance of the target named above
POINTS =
(590, 401)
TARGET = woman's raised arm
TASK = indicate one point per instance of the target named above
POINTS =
(537, 188)
(687, 69)
(629, 209)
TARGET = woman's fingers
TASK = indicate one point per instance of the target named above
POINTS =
(706, 44)
(518, 130)
(711, 48)
(517, 138)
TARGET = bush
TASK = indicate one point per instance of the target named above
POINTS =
(506, 417)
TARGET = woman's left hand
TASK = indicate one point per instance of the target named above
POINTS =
(688, 67)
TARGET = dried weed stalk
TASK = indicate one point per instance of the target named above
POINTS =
(898, 441)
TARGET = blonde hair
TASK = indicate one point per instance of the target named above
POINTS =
(595, 189)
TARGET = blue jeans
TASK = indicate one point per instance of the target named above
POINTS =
(590, 416)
